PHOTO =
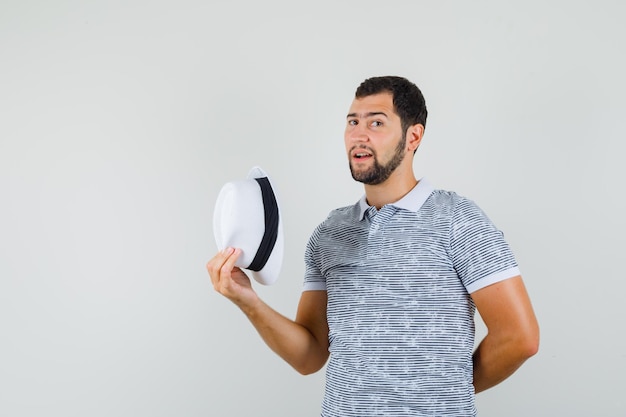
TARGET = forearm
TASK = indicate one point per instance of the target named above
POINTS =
(512, 332)
(302, 343)
(292, 341)
(496, 359)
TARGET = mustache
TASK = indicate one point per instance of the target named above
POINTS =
(366, 148)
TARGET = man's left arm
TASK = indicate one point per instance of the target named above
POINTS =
(512, 332)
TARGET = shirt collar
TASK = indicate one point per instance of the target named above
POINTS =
(412, 201)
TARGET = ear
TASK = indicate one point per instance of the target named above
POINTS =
(414, 136)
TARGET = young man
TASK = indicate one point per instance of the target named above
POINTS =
(392, 282)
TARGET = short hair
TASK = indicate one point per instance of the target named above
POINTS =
(408, 101)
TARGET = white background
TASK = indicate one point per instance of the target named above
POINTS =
(121, 120)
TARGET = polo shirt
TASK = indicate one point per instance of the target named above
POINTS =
(400, 315)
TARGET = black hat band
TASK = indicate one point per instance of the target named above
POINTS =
(271, 225)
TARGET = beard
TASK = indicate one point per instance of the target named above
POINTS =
(379, 173)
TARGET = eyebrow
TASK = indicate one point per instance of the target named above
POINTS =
(369, 114)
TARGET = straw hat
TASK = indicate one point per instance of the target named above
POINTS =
(247, 216)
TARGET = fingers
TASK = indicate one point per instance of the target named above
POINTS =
(221, 266)
(229, 264)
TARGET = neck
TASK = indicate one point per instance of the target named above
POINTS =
(393, 189)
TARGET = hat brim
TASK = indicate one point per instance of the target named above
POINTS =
(239, 222)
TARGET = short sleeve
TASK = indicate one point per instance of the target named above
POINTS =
(479, 252)
(313, 278)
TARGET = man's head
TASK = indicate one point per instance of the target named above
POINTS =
(385, 124)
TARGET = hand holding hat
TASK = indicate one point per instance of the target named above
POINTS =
(247, 216)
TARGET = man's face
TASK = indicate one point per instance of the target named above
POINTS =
(374, 139)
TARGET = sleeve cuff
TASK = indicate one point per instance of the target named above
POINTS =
(492, 279)
(314, 286)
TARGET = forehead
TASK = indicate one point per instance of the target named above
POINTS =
(375, 103)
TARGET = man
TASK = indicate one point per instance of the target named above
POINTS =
(392, 282)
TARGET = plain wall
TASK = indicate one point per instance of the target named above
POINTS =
(121, 120)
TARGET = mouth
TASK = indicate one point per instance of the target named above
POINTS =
(361, 154)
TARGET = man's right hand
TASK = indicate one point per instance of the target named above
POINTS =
(229, 280)
(302, 343)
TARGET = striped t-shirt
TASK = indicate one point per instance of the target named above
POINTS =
(401, 321)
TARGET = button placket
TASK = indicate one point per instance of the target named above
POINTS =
(377, 218)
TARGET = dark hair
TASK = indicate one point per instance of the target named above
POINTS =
(408, 101)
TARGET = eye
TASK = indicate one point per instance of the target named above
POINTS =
(352, 122)
(376, 123)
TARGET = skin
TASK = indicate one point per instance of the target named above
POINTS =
(373, 126)
(303, 342)
(374, 139)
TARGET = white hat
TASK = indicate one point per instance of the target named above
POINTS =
(247, 216)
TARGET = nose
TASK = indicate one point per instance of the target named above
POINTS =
(356, 133)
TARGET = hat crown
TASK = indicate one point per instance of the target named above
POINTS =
(240, 221)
